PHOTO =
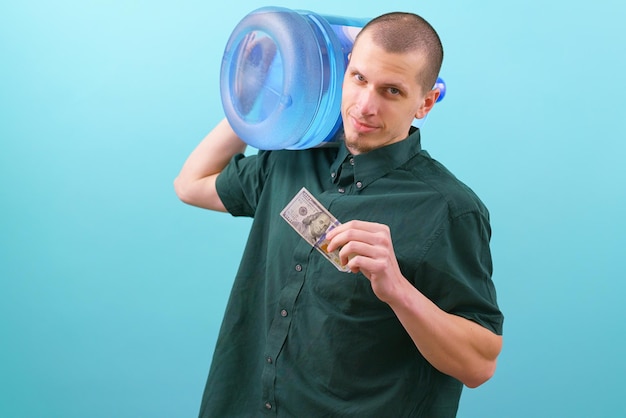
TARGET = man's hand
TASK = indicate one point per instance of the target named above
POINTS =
(367, 247)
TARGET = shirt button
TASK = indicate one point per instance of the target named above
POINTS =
(351, 161)
(268, 405)
(333, 175)
(341, 190)
(268, 359)
(283, 312)
(298, 267)
(359, 184)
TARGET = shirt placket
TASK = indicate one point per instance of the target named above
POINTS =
(344, 178)
(283, 316)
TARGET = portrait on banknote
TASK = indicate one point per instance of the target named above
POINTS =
(309, 218)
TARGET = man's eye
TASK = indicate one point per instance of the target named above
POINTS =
(394, 91)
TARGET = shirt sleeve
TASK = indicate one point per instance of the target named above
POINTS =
(456, 270)
(241, 182)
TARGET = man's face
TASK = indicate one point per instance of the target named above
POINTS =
(319, 225)
(381, 96)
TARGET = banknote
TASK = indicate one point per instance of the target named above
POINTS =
(312, 221)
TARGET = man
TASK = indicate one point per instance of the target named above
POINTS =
(417, 316)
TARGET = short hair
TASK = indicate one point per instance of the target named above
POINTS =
(402, 32)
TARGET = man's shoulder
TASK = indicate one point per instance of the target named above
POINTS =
(458, 195)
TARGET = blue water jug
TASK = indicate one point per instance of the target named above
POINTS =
(281, 77)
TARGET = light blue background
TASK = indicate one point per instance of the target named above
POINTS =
(112, 291)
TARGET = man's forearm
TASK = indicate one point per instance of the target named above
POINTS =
(195, 184)
(452, 344)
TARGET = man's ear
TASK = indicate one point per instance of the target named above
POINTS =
(427, 104)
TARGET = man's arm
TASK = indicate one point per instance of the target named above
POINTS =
(195, 184)
(453, 345)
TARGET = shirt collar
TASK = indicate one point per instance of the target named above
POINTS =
(373, 165)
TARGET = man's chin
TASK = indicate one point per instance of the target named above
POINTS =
(357, 146)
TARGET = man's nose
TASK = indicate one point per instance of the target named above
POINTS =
(367, 102)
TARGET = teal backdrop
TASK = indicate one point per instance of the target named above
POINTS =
(112, 290)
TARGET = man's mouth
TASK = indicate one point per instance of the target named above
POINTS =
(361, 126)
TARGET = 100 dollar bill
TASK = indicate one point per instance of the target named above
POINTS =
(312, 221)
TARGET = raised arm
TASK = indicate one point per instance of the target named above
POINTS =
(195, 184)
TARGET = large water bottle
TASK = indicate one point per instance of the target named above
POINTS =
(281, 77)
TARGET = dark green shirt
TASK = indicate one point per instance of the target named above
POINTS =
(302, 339)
